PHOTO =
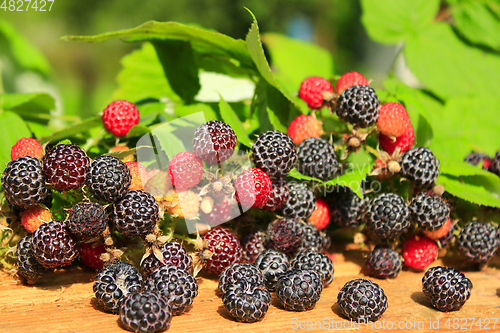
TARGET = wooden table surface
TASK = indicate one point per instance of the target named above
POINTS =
(65, 303)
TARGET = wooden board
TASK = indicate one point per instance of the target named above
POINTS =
(65, 303)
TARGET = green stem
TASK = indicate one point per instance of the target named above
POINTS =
(184, 238)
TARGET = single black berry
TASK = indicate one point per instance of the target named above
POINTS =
(272, 265)
(177, 285)
(346, 207)
(23, 182)
(108, 178)
(87, 221)
(318, 262)
(246, 301)
(384, 263)
(362, 300)
(420, 166)
(301, 202)
(299, 290)
(145, 312)
(275, 153)
(358, 105)
(27, 266)
(247, 272)
(115, 281)
(387, 216)
(317, 158)
(136, 214)
(429, 210)
(446, 288)
(477, 242)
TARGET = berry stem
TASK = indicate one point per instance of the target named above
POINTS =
(185, 238)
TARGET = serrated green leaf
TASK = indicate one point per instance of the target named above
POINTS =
(460, 168)
(294, 60)
(390, 21)
(12, 128)
(478, 21)
(23, 53)
(465, 125)
(73, 130)
(203, 41)
(181, 71)
(476, 189)
(277, 100)
(450, 68)
(142, 68)
(230, 118)
(276, 122)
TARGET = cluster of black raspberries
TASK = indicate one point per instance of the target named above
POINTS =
(285, 255)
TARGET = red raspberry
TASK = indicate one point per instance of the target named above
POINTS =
(34, 217)
(252, 188)
(348, 80)
(393, 120)
(91, 255)
(419, 251)
(439, 233)
(225, 250)
(320, 216)
(313, 91)
(186, 170)
(304, 127)
(119, 117)
(403, 142)
(220, 213)
(26, 147)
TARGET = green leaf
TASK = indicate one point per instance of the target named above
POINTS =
(209, 111)
(142, 68)
(390, 21)
(23, 53)
(230, 117)
(181, 71)
(215, 85)
(137, 130)
(448, 67)
(476, 189)
(73, 130)
(293, 60)
(203, 41)
(254, 46)
(465, 125)
(29, 105)
(478, 21)
(12, 128)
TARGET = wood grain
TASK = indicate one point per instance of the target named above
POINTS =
(65, 302)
